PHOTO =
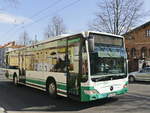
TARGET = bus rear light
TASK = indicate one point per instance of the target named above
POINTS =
(90, 92)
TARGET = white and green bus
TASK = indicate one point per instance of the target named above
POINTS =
(85, 66)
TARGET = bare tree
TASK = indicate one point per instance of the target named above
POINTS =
(55, 28)
(12, 3)
(24, 39)
(117, 16)
(33, 41)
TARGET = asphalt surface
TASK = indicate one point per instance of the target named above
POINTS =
(22, 99)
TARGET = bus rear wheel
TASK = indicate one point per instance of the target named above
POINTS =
(51, 88)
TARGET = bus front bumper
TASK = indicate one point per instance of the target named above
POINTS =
(90, 97)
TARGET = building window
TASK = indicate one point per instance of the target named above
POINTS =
(133, 52)
(147, 33)
(130, 37)
(143, 52)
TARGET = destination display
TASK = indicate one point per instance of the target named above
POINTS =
(110, 52)
(109, 40)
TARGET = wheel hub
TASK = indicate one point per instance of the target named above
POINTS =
(52, 88)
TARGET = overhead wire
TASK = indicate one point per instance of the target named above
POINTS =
(44, 17)
(59, 10)
(34, 15)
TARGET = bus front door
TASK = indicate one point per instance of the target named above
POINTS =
(73, 84)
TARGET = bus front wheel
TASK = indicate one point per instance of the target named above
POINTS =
(51, 88)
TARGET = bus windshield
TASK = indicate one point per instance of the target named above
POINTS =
(108, 57)
(105, 65)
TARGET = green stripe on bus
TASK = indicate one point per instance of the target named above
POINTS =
(73, 40)
(87, 87)
(61, 92)
(61, 83)
(36, 81)
(61, 86)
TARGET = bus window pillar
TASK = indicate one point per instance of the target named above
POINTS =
(88, 61)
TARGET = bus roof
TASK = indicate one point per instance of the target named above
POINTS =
(104, 33)
(85, 34)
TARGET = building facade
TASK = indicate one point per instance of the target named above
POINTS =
(138, 47)
(5, 48)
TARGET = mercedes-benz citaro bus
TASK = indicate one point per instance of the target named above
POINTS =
(85, 66)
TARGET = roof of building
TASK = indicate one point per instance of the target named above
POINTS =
(139, 27)
(11, 45)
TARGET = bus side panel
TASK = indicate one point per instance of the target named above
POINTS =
(38, 79)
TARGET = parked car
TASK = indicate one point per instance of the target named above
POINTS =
(142, 75)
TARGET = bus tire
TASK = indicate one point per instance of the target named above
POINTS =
(15, 81)
(51, 88)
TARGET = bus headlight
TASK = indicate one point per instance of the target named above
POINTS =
(91, 92)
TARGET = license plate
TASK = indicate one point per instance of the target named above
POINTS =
(112, 94)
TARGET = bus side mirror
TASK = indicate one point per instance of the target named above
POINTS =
(91, 44)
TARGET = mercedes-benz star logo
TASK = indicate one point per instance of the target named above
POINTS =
(111, 88)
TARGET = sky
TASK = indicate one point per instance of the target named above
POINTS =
(25, 16)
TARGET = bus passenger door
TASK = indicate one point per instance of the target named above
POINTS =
(22, 73)
(73, 84)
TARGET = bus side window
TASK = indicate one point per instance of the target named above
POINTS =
(74, 58)
(59, 63)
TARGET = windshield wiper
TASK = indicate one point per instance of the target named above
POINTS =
(103, 78)
(107, 78)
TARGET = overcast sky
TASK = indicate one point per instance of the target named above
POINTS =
(14, 19)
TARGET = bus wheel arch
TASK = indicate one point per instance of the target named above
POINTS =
(51, 87)
(7, 74)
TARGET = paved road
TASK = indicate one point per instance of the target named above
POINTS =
(28, 100)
